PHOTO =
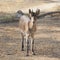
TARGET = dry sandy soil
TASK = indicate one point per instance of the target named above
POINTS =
(47, 40)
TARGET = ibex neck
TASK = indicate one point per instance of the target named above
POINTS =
(32, 19)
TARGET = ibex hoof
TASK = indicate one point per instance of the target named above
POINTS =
(27, 55)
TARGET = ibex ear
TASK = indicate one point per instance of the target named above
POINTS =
(29, 10)
(37, 11)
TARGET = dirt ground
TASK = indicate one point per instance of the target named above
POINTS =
(47, 40)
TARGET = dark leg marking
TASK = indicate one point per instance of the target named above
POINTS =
(22, 43)
(33, 47)
(28, 48)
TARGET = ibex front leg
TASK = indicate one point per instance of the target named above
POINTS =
(33, 47)
(33, 44)
(27, 45)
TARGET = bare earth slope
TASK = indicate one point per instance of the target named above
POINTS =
(47, 40)
(14, 5)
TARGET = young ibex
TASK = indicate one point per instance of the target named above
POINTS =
(27, 25)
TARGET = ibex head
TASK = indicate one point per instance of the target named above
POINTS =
(34, 14)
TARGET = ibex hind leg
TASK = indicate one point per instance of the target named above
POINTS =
(22, 44)
(22, 47)
(27, 44)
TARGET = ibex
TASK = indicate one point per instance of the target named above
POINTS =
(27, 26)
